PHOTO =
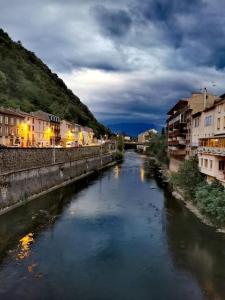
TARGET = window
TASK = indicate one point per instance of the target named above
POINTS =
(223, 122)
(211, 164)
(208, 120)
(221, 165)
(206, 163)
(196, 122)
(6, 120)
(11, 121)
(1, 119)
(201, 161)
(6, 131)
(0, 130)
(219, 108)
(218, 124)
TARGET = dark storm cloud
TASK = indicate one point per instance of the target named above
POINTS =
(147, 53)
(113, 22)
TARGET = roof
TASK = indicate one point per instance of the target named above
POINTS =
(12, 112)
(197, 114)
(179, 105)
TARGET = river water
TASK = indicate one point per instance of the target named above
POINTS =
(118, 235)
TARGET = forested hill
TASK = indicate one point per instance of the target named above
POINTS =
(26, 82)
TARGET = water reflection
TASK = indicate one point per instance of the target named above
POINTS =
(117, 170)
(142, 173)
(196, 248)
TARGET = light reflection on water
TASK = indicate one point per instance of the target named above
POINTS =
(118, 236)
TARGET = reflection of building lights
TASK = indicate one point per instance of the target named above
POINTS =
(116, 172)
(142, 174)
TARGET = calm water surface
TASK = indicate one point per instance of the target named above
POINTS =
(116, 236)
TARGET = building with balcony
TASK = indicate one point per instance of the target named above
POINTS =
(211, 146)
(184, 126)
(177, 129)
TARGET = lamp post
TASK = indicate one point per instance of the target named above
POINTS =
(53, 143)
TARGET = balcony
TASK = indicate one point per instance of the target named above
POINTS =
(174, 151)
(212, 150)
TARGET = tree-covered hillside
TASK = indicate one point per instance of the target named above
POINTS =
(26, 82)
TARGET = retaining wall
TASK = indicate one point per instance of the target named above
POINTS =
(19, 186)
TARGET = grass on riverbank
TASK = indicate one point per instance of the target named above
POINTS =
(209, 198)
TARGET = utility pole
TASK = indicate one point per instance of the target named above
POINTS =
(205, 98)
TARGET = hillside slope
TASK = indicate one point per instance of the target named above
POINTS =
(26, 82)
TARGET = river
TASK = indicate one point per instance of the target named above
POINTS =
(118, 235)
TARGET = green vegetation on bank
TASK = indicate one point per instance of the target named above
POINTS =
(158, 148)
(118, 155)
(209, 198)
(27, 83)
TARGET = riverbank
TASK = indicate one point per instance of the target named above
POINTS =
(164, 175)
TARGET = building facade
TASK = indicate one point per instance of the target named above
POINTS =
(184, 126)
(10, 121)
(211, 150)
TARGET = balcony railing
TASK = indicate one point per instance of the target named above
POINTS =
(212, 150)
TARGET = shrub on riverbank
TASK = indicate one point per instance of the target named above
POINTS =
(158, 148)
(209, 198)
(118, 156)
(188, 178)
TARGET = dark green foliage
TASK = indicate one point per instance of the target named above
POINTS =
(188, 177)
(27, 83)
(118, 155)
(158, 148)
(210, 199)
(120, 143)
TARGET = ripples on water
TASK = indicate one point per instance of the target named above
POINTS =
(115, 236)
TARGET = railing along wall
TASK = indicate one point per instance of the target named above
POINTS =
(16, 159)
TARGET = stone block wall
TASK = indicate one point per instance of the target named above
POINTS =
(16, 159)
(17, 187)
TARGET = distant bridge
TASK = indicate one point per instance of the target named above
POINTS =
(136, 143)
(131, 145)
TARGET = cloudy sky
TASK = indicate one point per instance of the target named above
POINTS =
(128, 60)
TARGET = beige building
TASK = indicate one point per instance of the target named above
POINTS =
(10, 121)
(185, 125)
(146, 136)
(34, 130)
(211, 150)
(67, 132)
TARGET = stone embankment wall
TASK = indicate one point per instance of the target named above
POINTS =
(27, 173)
